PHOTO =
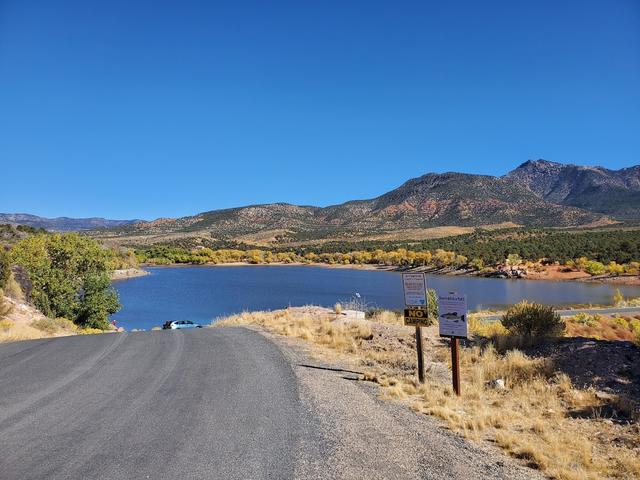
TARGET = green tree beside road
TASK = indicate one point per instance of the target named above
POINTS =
(69, 274)
(97, 301)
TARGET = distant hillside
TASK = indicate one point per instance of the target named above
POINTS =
(431, 201)
(62, 223)
(613, 192)
(12, 233)
(463, 200)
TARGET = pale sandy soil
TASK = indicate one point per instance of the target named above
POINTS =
(128, 273)
(18, 324)
(554, 272)
(621, 280)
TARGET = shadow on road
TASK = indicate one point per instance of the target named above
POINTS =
(329, 369)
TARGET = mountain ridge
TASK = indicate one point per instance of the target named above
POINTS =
(428, 201)
(62, 223)
(537, 193)
(597, 189)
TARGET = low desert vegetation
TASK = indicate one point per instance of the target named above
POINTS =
(604, 327)
(54, 325)
(523, 404)
(533, 320)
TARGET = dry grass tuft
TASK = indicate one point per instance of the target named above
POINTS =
(5, 324)
(54, 325)
(5, 306)
(485, 329)
(345, 337)
(13, 289)
(387, 318)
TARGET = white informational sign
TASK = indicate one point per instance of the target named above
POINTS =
(415, 289)
(452, 315)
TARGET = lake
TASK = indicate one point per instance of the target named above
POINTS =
(204, 293)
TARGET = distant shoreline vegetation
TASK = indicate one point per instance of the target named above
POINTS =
(596, 253)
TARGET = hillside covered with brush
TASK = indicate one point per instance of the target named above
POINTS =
(536, 194)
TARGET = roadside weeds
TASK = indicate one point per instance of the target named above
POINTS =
(539, 416)
(23, 322)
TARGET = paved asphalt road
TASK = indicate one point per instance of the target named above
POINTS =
(204, 403)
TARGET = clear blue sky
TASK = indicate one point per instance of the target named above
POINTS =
(157, 108)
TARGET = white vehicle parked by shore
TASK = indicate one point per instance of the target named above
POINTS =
(180, 324)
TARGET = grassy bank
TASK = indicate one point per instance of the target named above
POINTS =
(19, 321)
(540, 415)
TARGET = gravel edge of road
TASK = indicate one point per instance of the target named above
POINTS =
(348, 439)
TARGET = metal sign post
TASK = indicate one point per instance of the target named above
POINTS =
(415, 314)
(452, 314)
(422, 370)
(455, 364)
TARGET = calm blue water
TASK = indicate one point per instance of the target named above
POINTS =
(204, 293)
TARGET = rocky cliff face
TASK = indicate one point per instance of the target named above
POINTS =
(462, 199)
(612, 192)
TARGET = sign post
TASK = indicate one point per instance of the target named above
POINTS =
(415, 312)
(452, 314)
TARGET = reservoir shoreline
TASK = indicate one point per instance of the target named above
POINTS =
(200, 293)
(550, 274)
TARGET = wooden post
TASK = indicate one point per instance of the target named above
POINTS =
(421, 367)
(455, 364)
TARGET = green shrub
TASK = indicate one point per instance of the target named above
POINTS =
(477, 264)
(98, 300)
(5, 270)
(594, 268)
(69, 277)
(634, 324)
(533, 320)
(586, 319)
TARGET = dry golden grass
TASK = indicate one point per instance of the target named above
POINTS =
(13, 290)
(388, 318)
(13, 332)
(539, 417)
(23, 322)
(54, 325)
(340, 337)
(485, 329)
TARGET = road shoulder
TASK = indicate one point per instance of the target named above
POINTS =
(349, 432)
